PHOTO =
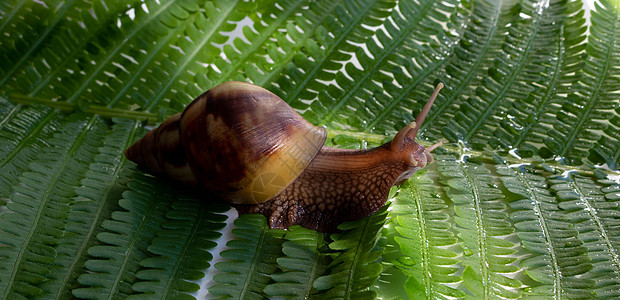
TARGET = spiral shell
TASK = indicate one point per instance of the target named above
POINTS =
(238, 140)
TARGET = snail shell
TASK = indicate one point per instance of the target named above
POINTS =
(246, 145)
(238, 140)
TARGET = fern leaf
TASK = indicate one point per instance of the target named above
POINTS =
(594, 219)
(123, 62)
(82, 24)
(39, 207)
(407, 51)
(115, 260)
(517, 105)
(248, 56)
(303, 262)
(355, 266)
(533, 108)
(26, 27)
(99, 189)
(424, 235)
(334, 41)
(250, 261)
(23, 133)
(484, 228)
(470, 57)
(558, 259)
(584, 110)
(189, 56)
(182, 249)
(298, 35)
(357, 88)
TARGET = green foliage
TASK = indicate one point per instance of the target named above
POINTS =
(251, 259)
(522, 201)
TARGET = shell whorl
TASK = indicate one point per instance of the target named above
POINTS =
(238, 140)
(161, 152)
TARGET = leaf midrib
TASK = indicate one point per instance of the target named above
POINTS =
(425, 261)
(558, 291)
(595, 96)
(594, 216)
(255, 259)
(315, 266)
(491, 105)
(482, 236)
(98, 214)
(317, 65)
(112, 53)
(43, 201)
(463, 83)
(36, 44)
(188, 241)
(188, 58)
(354, 262)
(130, 249)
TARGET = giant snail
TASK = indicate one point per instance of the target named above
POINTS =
(247, 146)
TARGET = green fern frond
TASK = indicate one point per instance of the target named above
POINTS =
(23, 133)
(533, 108)
(460, 73)
(483, 227)
(254, 55)
(334, 41)
(584, 112)
(526, 59)
(414, 59)
(425, 238)
(558, 259)
(365, 91)
(512, 74)
(594, 219)
(250, 260)
(40, 204)
(128, 232)
(355, 266)
(95, 198)
(303, 262)
(286, 49)
(163, 24)
(181, 249)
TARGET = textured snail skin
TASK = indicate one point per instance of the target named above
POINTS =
(341, 185)
(247, 146)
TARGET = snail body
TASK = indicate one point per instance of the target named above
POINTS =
(248, 147)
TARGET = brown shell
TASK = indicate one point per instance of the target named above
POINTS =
(240, 141)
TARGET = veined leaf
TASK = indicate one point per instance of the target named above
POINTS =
(38, 209)
(548, 233)
(483, 228)
(250, 261)
(303, 262)
(425, 237)
(181, 249)
(355, 266)
(522, 201)
(128, 232)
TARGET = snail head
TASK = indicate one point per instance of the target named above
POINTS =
(405, 148)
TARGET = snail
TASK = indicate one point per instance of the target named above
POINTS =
(247, 146)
